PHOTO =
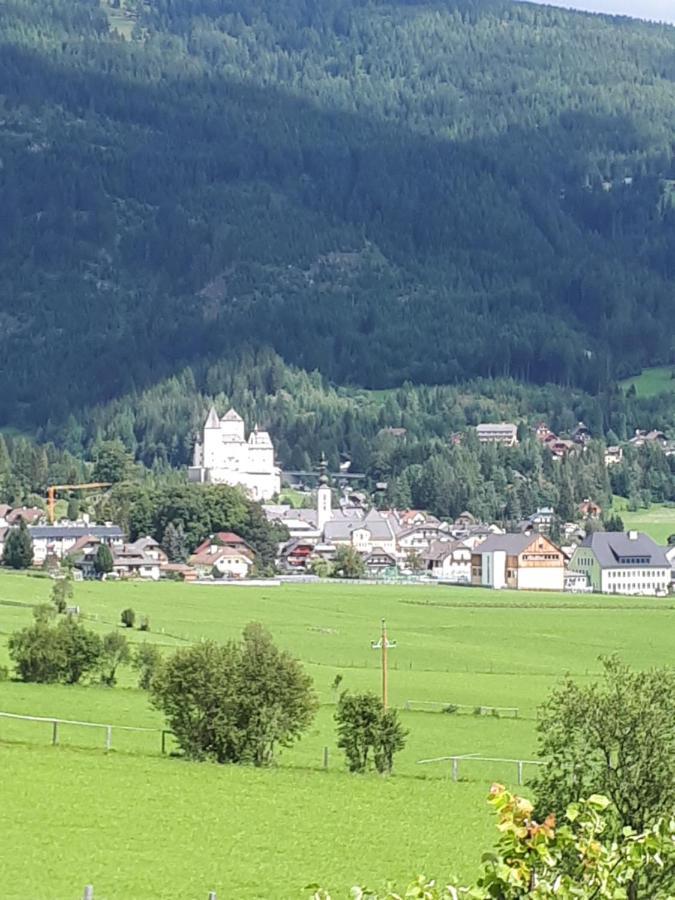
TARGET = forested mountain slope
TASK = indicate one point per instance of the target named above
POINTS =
(380, 190)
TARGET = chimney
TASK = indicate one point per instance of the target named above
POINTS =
(632, 535)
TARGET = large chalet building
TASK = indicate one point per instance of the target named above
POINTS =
(519, 561)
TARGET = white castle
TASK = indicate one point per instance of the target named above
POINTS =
(225, 456)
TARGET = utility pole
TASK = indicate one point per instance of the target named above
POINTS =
(383, 645)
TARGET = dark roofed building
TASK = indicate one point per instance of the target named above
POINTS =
(57, 540)
(623, 563)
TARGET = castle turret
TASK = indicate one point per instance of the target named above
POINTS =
(232, 427)
(324, 497)
(211, 440)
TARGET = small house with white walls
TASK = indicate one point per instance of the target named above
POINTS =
(222, 562)
(226, 456)
(449, 561)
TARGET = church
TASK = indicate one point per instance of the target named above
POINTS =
(226, 456)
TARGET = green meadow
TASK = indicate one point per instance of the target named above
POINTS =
(652, 382)
(138, 824)
(658, 521)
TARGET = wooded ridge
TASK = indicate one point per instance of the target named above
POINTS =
(381, 191)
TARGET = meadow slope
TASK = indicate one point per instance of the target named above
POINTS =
(137, 824)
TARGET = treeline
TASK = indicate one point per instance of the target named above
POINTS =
(381, 191)
(500, 484)
(308, 416)
(27, 468)
(181, 516)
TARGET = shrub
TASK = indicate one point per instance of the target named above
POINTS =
(576, 860)
(236, 702)
(114, 653)
(146, 661)
(62, 592)
(348, 563)
(614, 737)
(450, 708)
(368, 733)
(128, 617)
(4, 673)
(45, 652)
(145, 623)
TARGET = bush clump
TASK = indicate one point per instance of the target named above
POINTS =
(238, 702)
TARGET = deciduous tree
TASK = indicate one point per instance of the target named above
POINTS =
(237, 702)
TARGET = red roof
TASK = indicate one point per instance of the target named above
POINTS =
(225, 539)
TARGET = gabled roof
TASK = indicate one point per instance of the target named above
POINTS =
(512, 544)
(496, 428)
(609, 547)
(212, 420)
(225, 539)
(209, 559)
(232, 416)
(439, 550)
(342, 528)
(81, 543)
(28, 514)
(378, 554)
(64, 532)
(143, 544)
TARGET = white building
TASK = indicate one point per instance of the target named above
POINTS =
(56, 540)
(449, 561)
(226, 456)
(623, 563)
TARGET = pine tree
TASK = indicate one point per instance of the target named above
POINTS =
(18, 553)
(175, 543)
(103, 561)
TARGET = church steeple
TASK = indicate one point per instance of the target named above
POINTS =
(324, 496)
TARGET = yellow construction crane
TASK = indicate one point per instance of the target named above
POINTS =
(53, 488)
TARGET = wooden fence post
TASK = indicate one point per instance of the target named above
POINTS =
(455, 769)
(212, 895)
(520, 771)
(88, 892)
(55, 732)
(108, 737)
(325, 757)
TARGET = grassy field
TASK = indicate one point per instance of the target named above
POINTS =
(651, 382)
(658, 521)
(137, 824)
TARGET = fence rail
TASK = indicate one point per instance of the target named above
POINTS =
(476, 709)
(474, 757)
(89, 893)
(55, 723)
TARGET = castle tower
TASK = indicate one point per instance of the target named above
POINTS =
(324, 497)
(232, 427)
(211, 443)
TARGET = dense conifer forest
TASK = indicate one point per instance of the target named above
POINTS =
(380, 191)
